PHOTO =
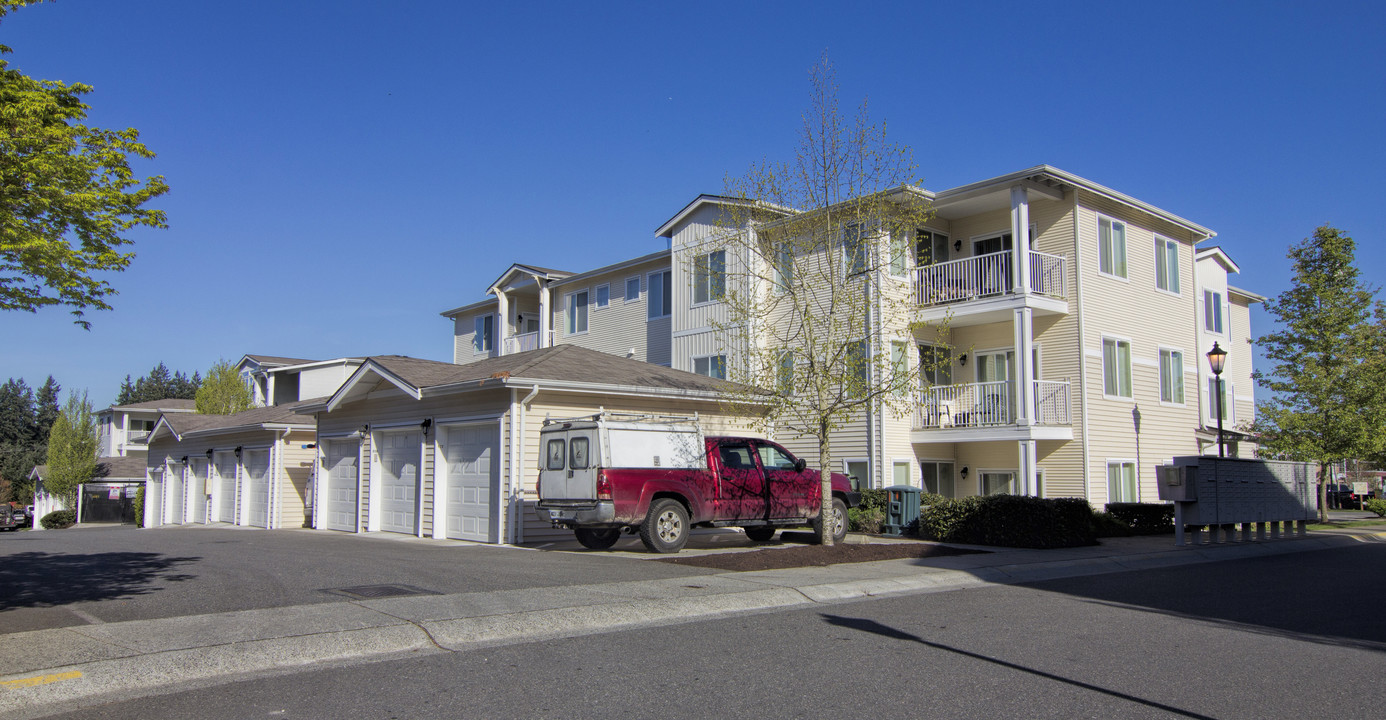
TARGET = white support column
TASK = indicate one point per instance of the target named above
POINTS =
(1020, 239)
(1023, 324)
(503, 321)
(1028, 463)
(545, 315)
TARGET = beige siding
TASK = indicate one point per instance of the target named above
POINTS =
(293, 464)
(296, 475)
(620, 327)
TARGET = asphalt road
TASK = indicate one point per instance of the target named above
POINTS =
(52, 579)
(1298, 635)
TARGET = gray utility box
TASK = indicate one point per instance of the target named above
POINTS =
(1229, 491)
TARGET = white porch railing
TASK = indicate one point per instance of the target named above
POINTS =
(988, 404)
(524, 342)
(986, 276)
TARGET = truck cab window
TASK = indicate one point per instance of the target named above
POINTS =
(555, 455)
(737, 457)
(773, 458)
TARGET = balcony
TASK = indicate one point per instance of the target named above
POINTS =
(524, 342)
(985, 276)
(991, 405)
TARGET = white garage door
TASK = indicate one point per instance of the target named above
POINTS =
(197, 491)
(399, 480)
(226, 487)
(340, 490)
(256, 486)
(469, 455)
(155, 501)
(173, 478)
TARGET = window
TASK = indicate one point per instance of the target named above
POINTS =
(784, 373)
(858, 369)
(603, 296)
(577, 454)
(737, 457)
(633, 289)
(859, 471)
(1166, 265)
(998, 483)
(484, 337)
(1111, 246)
(1227, 405)
(1212, 311)
(938, 478)
(661, 296)
(1121, 481)
(899, 366)
(555, 455)
(854, 248)
(935, 365)
(714, 366)
(1116, 367)
(784, 267)
(709, 277)
(900, 472)
(899, 250)
(1172, 376)
(930, 248)
(773, 458)
(577, 313)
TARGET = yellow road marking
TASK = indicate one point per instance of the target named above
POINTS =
(39, 680)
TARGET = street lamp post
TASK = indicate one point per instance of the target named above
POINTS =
(1216, 357)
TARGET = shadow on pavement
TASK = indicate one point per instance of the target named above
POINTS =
(38, 579)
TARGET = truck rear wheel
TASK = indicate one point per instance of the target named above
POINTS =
(761, 533)
(600, 539)
(665, 529)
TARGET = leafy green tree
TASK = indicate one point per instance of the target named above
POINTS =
(71, 449)
(803, 264)
(159, 384)
(224, 391)
(1325, 373)
(67, 195)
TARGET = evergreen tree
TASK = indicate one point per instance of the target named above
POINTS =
(1325, 361)
(46, 409)
(71, 449)
(159, 384)
(17, 447)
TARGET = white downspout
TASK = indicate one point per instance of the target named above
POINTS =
(274, 520)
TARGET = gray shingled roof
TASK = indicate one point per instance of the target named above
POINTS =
(111, 469)
(276, 360)
(174, 404)
(286, 414)
(563, 363)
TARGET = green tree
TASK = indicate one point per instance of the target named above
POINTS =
(159, 384)
(19, 449)
(223, 391)
(803, 262)
(67, 195)
(71, 449)
(1325, 373)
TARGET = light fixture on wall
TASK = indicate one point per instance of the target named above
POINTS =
(957, 246)
(209, 454)
(238, 452)
(962, 359)
(184, 460)
(964, 472)
(425, 425)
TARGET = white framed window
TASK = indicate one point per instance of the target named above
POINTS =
(603, 296)
(1228, 409)
(1116, 367)
(784, 373)
(937, 477)
(935, 365)
(899, 364)
(633, 289)
(784, 267)
(854, 249)
(859, 470)
(1212, 311)
(484, 333)
(713, 366)
(930, 247)
(899, 253)
(996, 482)
(1171, 376)
(709, 277)
(1111, 247)
(900, 473)
(577, 312)
(660, 297)
(1121, 481)
(858, 367)
(1167, 265)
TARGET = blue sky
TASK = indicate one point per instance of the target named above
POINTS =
(343, 171)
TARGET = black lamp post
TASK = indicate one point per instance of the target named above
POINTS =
(1216, 357)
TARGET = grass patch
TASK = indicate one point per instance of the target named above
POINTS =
(1340, 524)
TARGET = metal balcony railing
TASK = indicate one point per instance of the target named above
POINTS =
(524, 342)
(988, 275)
(989, 404)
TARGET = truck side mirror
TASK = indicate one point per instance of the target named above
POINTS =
(800, 464)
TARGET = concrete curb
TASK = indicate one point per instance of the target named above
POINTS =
(75, 665)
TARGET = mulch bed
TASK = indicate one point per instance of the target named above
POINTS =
(778, 558)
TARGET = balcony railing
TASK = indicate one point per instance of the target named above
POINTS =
(987, 275)
(989, 404)
(524, 342)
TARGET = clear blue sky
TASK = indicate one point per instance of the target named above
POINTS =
(343, 171)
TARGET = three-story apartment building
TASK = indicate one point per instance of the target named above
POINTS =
(1073, 362)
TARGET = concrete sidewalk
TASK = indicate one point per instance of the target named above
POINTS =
(57, 669)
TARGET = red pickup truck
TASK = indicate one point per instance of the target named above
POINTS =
(604, 474)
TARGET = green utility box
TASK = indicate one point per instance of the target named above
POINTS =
(902, 509)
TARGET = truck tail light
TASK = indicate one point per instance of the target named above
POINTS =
(603, 486)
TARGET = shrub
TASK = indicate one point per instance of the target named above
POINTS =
(1376, 505)
(1105, 524)
(139, 507)
(874, 500)
(58, 520)
(1010, 521)
(865, 520)
(1145, 518)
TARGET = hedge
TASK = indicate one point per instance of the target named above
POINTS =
(1010, 521)
(1144, 518)
(58, 520)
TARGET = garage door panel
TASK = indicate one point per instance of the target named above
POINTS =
(197, 492)
(342, 481)
(469, 454)
(175, 499)
(399, 480)
(226, 487)
(256, 464)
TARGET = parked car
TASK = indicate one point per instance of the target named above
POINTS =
(9, 520)
(1341, 496)
(659, 477)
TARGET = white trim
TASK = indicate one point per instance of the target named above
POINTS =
(1177, 265)
(693, 361)
(649, 293)
(639, 290)
(1125, 243)
(1132, 374)
(569, 307)
(692, 331)
(1015, 479)
(596, 299)
(1107, 469)
(909, 464)
(1160, 376)
(866, 482)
